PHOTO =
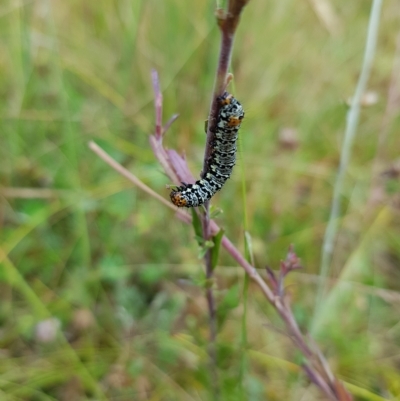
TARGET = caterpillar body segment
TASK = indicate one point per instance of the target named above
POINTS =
(222, 158)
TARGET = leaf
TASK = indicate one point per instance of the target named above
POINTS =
(215, 212)
(230, 301)
(217, 239)
(248, 246)
(204, 247)
(198, 230)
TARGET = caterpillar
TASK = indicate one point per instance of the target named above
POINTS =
(221, 161)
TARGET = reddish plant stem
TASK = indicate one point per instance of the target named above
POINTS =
(219, 87)
(212, 351)
(227, 36)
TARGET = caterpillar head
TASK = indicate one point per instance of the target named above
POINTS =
(178, 199)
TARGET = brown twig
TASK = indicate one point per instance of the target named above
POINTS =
(131, 177)
(227, 22)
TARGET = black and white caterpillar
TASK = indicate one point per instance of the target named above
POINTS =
(222, 158)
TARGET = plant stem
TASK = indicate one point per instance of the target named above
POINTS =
(315, 368)
(227, 22)
(350, 132)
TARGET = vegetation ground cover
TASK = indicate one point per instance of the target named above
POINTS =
(118, 272)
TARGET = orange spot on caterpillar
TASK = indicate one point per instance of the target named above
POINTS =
(234, 121)
(227, 100)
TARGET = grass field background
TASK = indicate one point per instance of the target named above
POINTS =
(116, 276)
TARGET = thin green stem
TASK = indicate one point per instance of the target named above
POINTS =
(350, 132)
(249, 258)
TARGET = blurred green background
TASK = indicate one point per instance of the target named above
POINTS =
(100, 285)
